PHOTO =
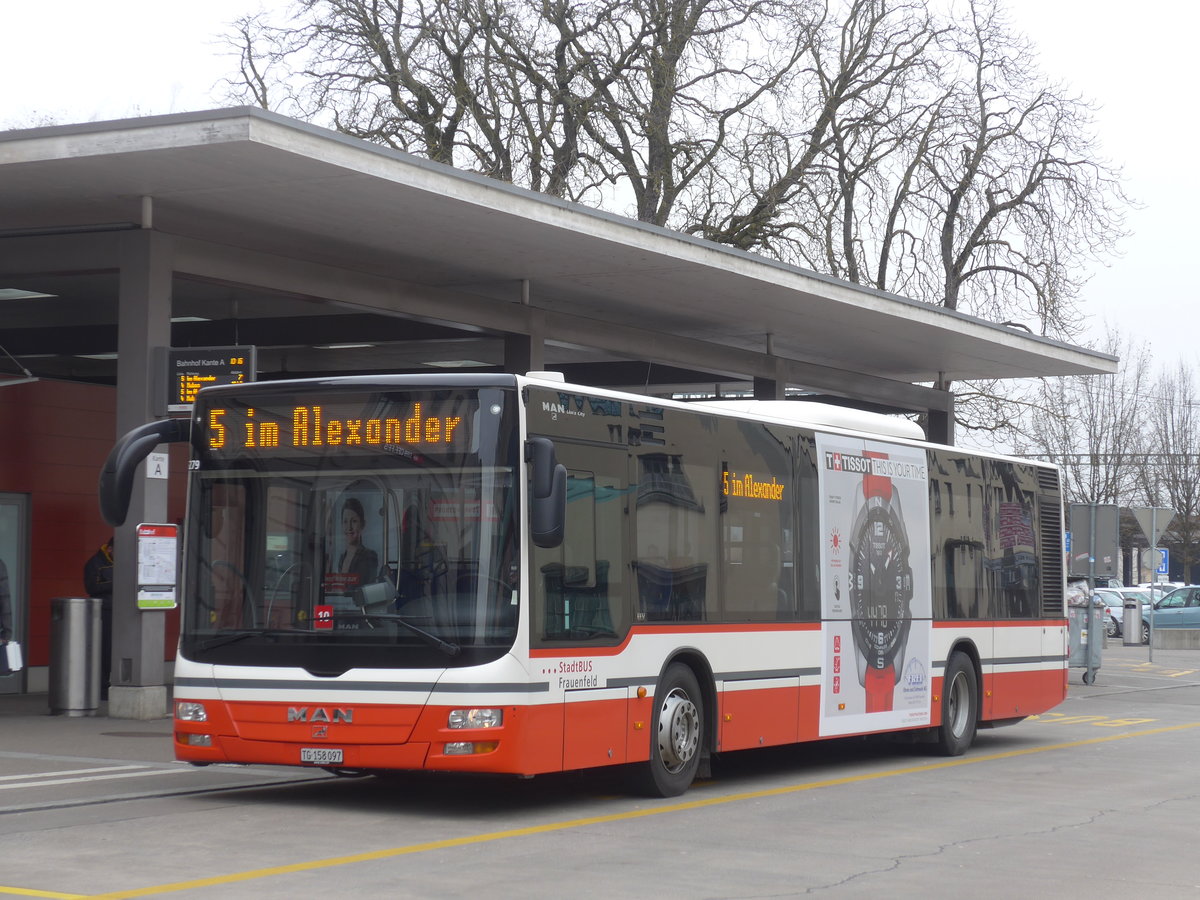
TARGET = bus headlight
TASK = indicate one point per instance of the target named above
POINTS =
(476, 718)
(187, 711)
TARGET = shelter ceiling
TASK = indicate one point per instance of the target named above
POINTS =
(253, 183)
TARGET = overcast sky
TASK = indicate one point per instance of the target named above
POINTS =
(79, 60)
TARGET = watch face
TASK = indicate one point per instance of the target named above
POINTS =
(881, 585)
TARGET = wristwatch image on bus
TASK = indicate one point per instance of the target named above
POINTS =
(881, 589)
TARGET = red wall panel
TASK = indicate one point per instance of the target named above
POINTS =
(56, 436)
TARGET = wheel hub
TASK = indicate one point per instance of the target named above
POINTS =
(678, 731)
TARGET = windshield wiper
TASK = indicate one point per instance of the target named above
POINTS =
(450, 649)
(233, 637)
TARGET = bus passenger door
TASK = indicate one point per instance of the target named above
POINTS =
(580, 608)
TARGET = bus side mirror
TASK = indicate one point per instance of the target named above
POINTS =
(548, 500)
(116, 478)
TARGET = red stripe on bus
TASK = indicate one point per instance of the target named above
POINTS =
(556, 736)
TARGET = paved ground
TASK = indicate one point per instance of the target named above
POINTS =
(1097, 799)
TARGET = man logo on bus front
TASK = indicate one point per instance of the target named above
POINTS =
(319, 714)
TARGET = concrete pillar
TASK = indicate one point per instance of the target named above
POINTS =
(525, 352)
(940, 422)
(137, 684)
(768, 389)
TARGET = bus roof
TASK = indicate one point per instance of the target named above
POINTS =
(811, 412)
(796, 412)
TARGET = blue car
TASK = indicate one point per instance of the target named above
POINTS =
(1178, 609)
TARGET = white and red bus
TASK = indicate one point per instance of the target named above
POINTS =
(513, 574)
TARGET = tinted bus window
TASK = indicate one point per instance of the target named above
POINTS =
(757, 522)
(677, 509)
(983, 515)
(579, 587)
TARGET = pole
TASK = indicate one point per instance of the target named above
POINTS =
(1153, 579)
(1091, 546)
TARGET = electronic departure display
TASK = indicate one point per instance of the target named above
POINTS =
(270, 425)
(192, 368)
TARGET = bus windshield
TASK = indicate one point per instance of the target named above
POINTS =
(396, 549)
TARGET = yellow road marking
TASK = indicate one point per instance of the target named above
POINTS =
(550, 827)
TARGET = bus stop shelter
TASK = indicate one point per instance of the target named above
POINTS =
(328, 255)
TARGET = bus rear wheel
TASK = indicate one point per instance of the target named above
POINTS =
(677, 736)
(960, 706)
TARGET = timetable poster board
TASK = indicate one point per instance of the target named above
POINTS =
(157, 563)
(191, 368)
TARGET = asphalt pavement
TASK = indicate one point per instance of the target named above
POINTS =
(1093, 800)
(27, 727)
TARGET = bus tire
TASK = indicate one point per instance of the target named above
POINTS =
(960, 706)
(677, 734)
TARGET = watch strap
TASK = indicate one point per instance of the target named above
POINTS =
(876, 485)
(880, 685)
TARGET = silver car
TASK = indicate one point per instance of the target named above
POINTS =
(1114, 603)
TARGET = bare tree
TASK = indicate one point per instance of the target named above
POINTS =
(1172, 476)
(409, 74)
(852, 80)
(936, 163)
(1095, 427)
(562, 96)
(252, 84)
(862, 138)
(1016, 187)
(699, 76)
(960, 200)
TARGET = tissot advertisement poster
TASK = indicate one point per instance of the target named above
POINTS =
(875, 585)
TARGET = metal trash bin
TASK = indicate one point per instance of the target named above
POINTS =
(1086, 637)
(75, 631)
(1131, 624)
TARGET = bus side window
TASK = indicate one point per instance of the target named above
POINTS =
(579, 590)
(758, 513)
(675, 538)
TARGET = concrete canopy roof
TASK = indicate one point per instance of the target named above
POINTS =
(262, 207)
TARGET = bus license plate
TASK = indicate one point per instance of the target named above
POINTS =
(321, 756)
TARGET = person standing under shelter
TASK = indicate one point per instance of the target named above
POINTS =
(7, 666)
(98, 582)
(6, 613)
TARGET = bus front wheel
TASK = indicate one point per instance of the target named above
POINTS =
(677, 736)
(960, 706)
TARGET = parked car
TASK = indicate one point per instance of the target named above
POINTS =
(1114, 602)
(1178, 609)
(1114, 609)
(1145, 595)
(1161, 588)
